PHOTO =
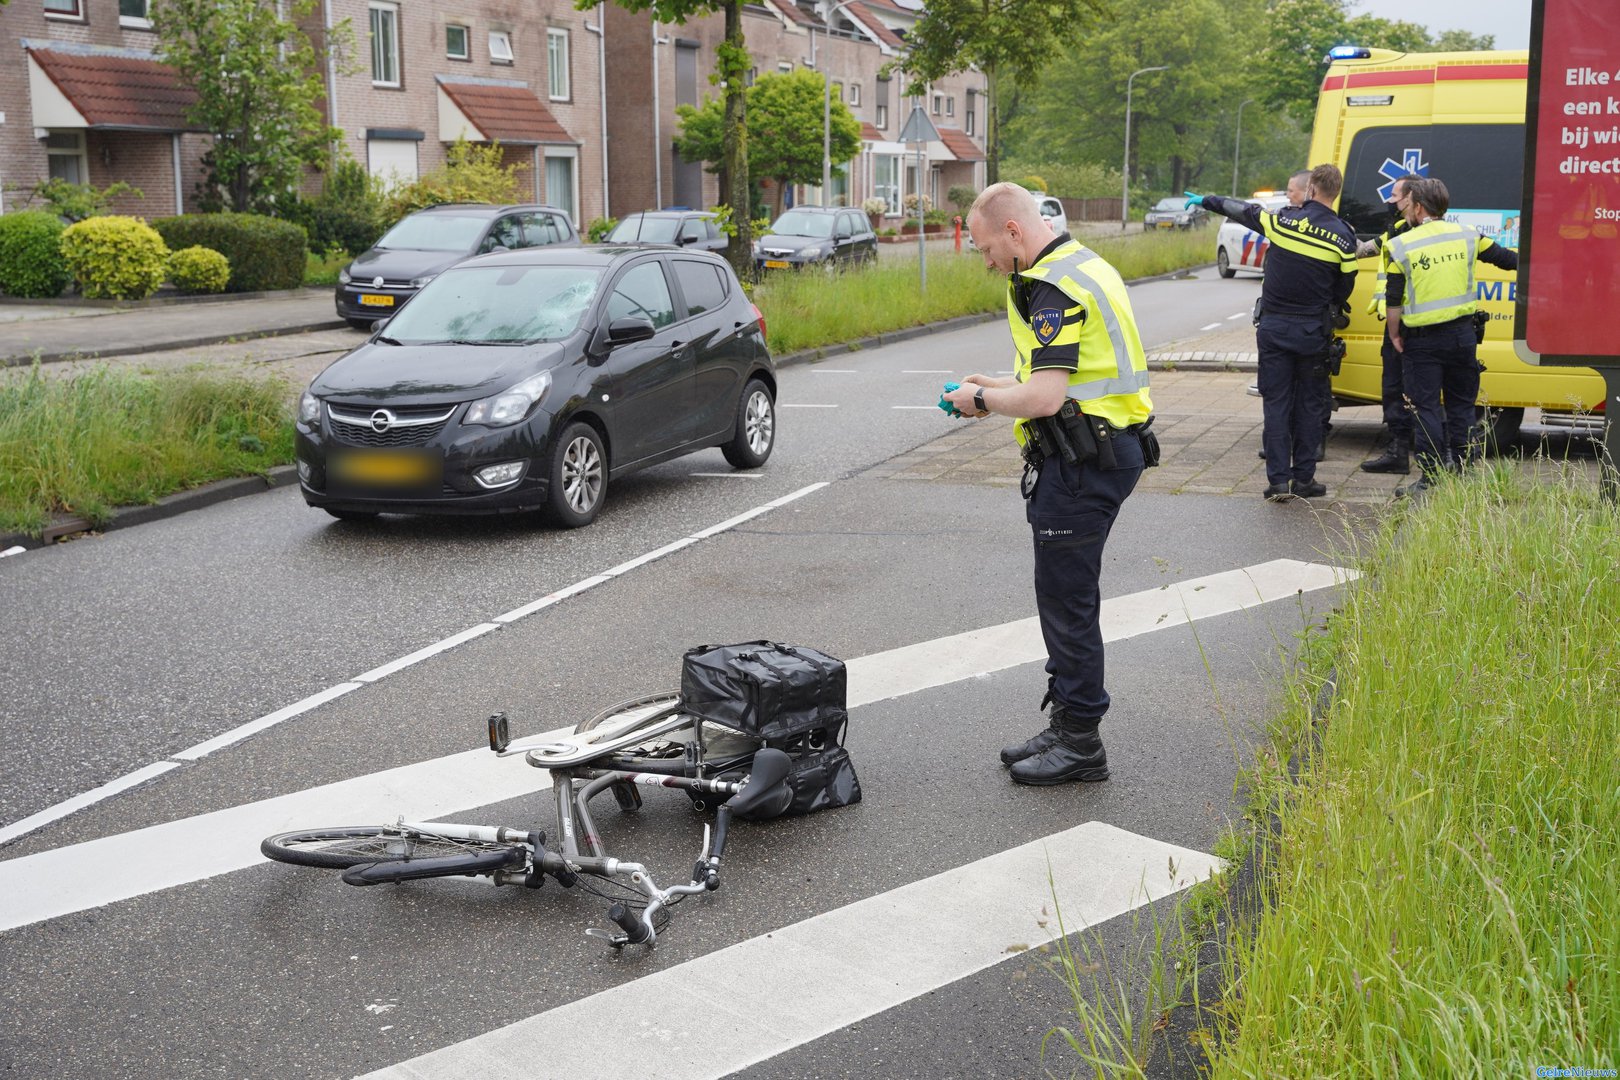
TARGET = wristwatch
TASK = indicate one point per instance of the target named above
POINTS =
(978, 400)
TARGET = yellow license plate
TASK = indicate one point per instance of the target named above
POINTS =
(776, 264)
(1166, 224)
(376, 300)
(385, 468)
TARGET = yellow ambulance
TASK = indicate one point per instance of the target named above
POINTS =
(1460, 117)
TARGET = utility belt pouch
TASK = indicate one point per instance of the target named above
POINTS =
(1255, 319)
(1482, 319)
(1150, 443)
(1335, 355)
(1092, 436)
(1054, 440)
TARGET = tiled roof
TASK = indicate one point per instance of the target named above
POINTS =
(961, 144)
(863, 16)
(118, 89)
(796, 13)
(509, 113)
(870, 133)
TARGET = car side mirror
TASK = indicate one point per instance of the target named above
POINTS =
(378, 324)
(843, 234)
(629, 329)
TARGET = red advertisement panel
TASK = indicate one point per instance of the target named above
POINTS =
(1570, 280)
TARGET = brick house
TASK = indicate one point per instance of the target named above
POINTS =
(92, 105)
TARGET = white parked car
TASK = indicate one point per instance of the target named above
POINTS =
(1238, 248)
(1052, 210)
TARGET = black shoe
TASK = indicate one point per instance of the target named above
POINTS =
(1262, 453)
(1076, 755)
(1278, 493)
(1310, 490)
(1012, 755)
(1396, 458)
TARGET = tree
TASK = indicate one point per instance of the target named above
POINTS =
(1463, 41)
(1003, 39)
(784, 130)
(731, 75)
(258, 78)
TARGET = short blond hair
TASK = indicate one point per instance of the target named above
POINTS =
(1006, 202)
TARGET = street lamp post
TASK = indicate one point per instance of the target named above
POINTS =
(1237, 146)
(1125, 197)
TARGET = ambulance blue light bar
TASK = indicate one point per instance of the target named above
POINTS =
(1349, 52)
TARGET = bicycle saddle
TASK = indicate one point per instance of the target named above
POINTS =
(767, 794)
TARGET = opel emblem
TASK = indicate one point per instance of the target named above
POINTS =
(376, 282)
(381, 421)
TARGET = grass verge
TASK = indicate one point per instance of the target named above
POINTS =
(89, 442)
(1435, 829)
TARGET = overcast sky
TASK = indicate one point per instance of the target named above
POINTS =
(1509, 20)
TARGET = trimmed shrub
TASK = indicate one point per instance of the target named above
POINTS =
(962, 196)
(199, 270)
(114, 257)
(263, 253)
(31, 262)
(1033, 183)
(331, 224)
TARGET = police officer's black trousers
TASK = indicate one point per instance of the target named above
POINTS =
(1393, 392)
(1441, 363)
(1293, 388)
(1071, 512)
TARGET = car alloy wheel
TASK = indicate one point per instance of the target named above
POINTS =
(755, 434)
(578, 476)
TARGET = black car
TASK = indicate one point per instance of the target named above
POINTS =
(428, 242)
(528, 380)
(684, 228)
(816, 235)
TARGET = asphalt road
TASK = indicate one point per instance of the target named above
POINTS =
(129, 648)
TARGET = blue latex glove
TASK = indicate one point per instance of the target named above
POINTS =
(950, 410)
(1193, 199)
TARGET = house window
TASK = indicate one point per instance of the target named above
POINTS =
(938, 100)
(753, 75)
(882, 117)
(557, 63)
(134, 14)
(854, 93)
(950, 106)
(886, 181)
(784, 67)
(561, 190)
(384, 44)
(969, 125)
(65, 157)
(65, 9)
(455, 43)
(500, 47)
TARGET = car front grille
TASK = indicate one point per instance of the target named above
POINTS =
(404, 427)
(776, 253)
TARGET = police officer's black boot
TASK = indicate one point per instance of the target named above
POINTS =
(1030, 747)
(1396, 458)
(1077, 753)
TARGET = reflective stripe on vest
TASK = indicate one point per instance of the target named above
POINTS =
(1456, 281)
(1129, 372)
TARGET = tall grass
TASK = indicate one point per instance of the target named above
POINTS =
(808, 309)
(87, 443)
(1443, 893)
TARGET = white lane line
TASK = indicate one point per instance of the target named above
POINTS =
(1211, 326)
(1239, 315)
(253, 727)
(722, 1012)
(791, 405)
(98, 872)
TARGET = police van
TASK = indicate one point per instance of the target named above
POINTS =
(1460, 117)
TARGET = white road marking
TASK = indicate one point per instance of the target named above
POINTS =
(1239, 315)
(253, 727)
(722, 1012)
(1211, 326)
(112, 868)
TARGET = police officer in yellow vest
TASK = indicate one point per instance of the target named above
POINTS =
(1081, 395)
(1430, 305)
(1397, 456)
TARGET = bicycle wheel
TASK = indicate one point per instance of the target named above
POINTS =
(341, 847)
(636, 710)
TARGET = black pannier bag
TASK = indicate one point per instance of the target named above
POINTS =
(789, 697)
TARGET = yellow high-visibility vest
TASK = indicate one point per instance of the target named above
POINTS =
(1437, 260)
(1111, 378)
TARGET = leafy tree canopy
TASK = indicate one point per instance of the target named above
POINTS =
(784, 129)
(258, 79)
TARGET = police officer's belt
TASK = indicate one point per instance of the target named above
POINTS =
(1435, 328)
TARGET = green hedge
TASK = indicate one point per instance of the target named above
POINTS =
(115, 257)
(31, 263)
(263, 253)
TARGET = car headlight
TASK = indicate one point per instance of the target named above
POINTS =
(512, 405)
(309, 408)
(418, 282)
(343, 276)
(813, 251)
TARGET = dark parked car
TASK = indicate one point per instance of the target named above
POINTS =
(817, 235)
(428, 242)
(1174, 213)
(530, 379)
(685, 228)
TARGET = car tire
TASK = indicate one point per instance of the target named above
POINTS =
(577, 476)
(351, 515)
(363, 325)
(1223, 263)
(754, 437)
